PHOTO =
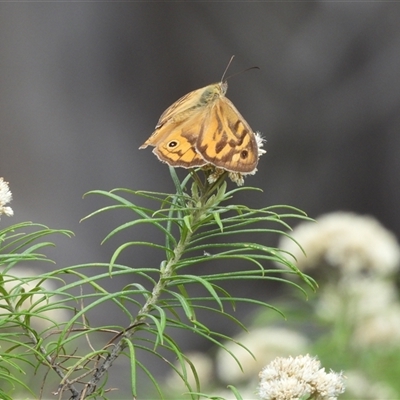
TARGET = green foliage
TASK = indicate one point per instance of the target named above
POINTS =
(199, 226)
(21, 299)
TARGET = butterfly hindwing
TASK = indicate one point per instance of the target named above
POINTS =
(177, 146)
(226, 139)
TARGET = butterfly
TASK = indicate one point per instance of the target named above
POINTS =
(205, 128)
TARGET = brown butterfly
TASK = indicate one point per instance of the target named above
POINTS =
(204, 127)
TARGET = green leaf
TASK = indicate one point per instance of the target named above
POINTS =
(133, 362)
(217, 219)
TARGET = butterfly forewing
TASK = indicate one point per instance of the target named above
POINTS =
(179, 111)
(184, 107)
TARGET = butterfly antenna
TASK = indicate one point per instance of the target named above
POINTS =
(240, 72)
(226, 69)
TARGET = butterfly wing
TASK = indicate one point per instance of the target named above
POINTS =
(182, 108)
(179, 111)
(176, 143)
(226, 139)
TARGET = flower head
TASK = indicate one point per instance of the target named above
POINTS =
(352, 244)
(260, 143)
(291, 378)
(5, 197)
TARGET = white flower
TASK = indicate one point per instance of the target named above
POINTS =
(260, 143)
(5, 197)
(292, 378)
(215, 173)
(237, 178)
(353, 244)
(369, 306)
(287, 388)
(265, 344)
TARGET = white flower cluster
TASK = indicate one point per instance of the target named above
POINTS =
(293, 378)
(5, 197)
(354, 244)
(358, 287)
(260, 144)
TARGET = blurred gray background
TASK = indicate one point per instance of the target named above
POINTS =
(83, 84)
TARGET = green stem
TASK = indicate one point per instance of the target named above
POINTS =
(166, 273)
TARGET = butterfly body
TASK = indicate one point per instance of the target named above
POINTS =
(204, 127)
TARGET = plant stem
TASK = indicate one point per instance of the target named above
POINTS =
(166, 273)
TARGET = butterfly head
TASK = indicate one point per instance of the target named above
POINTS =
(212, 92)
